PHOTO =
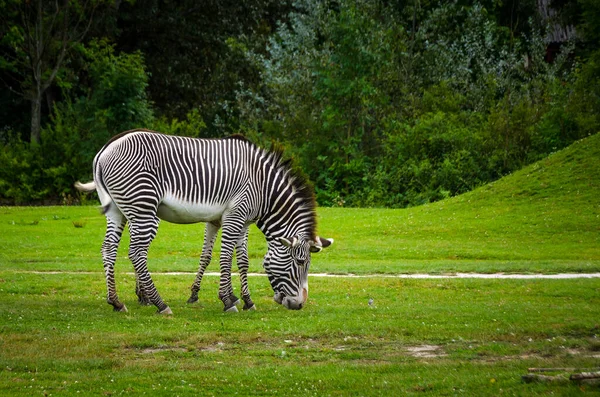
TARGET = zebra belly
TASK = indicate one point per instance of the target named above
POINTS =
(175, 210)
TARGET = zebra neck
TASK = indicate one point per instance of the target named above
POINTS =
(286, 203)
(287, 214)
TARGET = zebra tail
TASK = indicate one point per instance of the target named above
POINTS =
(85, 187)
(90, 187)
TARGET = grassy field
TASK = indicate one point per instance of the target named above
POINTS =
(436, 337)
(443, 337)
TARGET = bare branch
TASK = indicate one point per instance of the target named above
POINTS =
(87, 28)
(57, 66)
(46, 44)
(54, 16)
(28, 42)
(19, 93)
(68, 43)
(77, 38)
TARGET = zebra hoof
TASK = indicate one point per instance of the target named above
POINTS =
(193, 299)
(120, 309)
(167, 311)
(232, 309)
(253, 307)
(236, 301)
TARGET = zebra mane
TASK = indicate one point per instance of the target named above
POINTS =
(297, 179)
(122, 134)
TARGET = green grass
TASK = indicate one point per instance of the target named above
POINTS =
(59, 337)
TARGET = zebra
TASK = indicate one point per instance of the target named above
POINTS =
(143, 176)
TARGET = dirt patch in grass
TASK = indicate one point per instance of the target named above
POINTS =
(426, 351)
(212, 348)
(582, 352)
(562, 354)
(152, 350)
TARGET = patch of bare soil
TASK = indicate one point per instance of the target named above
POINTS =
(532, 356)
(211, 349)
(583, 353)
(426, 351)
(152, 350)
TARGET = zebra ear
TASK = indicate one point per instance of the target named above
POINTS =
(321, 243)
(290, 243)
(325, 242)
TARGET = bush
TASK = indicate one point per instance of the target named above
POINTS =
(21, 172)
(192, 126)
(79, 127)
(584, 103)
(438, 156)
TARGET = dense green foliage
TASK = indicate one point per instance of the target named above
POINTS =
(395, 116)
(380, 104)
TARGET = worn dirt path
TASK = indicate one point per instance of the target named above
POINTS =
(501, 276)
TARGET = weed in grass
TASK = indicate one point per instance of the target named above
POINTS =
(79, 224)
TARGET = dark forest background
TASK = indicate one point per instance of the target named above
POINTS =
(381, 103)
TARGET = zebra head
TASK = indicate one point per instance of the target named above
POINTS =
(287, 262)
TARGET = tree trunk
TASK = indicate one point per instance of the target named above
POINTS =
(36, 97)
(50, 98)
(36, 118)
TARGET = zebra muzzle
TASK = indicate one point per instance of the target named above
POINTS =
(296, 302)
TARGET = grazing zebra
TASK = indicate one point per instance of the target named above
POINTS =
(143, 176)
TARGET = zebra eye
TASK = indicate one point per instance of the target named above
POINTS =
(301, 262)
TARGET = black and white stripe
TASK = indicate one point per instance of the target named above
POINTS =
(143, 176)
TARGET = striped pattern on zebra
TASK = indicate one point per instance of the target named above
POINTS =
(143, 176)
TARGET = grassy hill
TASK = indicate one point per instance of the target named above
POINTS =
(544, 218)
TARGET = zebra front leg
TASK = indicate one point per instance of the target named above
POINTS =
(210, 235)
(142, 233)
(114, 231)
(241, 252)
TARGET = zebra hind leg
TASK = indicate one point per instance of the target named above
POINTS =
(114, 231)
(142, 233)
(210, 235)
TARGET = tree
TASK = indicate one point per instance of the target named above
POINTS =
(36, 39)
(193, 51)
